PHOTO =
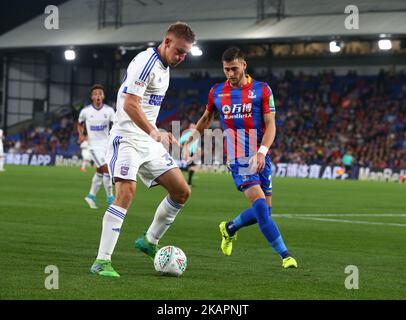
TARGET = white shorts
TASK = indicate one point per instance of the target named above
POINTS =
(98, 155)
(127, 158)
(86, 155)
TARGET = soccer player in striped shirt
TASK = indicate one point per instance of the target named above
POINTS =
(247, 114)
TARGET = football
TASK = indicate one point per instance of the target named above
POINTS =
(170, 261)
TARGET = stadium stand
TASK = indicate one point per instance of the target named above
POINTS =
(319, 119)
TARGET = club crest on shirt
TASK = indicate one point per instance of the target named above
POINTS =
(124, 170)
(251, 94)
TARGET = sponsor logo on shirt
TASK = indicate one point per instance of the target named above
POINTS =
(98, 128)
(155, 100)
(237, 111)
(139, 83)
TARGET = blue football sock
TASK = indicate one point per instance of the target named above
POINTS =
(269, 228)
(244, 219)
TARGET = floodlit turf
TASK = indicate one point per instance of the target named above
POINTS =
(45, 221)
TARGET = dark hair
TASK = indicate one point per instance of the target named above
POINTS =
(95, 87)
(181, 30)
(232, 54)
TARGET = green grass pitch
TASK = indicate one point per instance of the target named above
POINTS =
(45, 221)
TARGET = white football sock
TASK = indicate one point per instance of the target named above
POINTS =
(1, 162)
(96, 183)
(164, 217)
(108, 184)
(112, 222)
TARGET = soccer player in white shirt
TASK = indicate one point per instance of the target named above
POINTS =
(1, 151)
(136, 146)
(96, 119)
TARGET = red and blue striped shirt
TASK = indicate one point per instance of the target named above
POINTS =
(242, 114)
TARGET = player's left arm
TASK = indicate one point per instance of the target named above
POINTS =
(270, 130)
(268, 112)
(267, 140)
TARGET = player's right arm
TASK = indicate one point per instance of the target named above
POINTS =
(132, 106)
(205, 121)
(207, 118)
(81, 127)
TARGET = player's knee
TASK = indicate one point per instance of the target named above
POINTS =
(186, 193)
(183, 195)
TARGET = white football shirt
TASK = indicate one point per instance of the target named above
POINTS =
(147, 77)
(97, 124)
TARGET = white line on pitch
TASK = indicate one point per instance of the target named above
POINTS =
(344, 221)
(339, 215)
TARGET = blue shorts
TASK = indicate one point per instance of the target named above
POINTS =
(245, 179)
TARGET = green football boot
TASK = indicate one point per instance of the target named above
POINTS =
(289, 262)
(226, 239)
(144, 246)
(104, 268)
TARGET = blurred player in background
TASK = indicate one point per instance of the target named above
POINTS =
(1, 151)
(193, 153)
(136, 146)
(86, 158)
(96, 119)
(245, 104)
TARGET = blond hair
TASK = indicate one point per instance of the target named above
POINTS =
(181, 30)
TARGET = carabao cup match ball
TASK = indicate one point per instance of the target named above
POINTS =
(170, 261)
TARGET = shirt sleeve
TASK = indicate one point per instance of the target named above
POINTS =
(112, 113)
(139, 74)
(210, 101)
(268, 104)
(82, 116)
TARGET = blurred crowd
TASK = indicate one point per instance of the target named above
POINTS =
(59, 137)
(322, 119)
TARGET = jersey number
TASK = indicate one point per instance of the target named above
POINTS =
(168, 158)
